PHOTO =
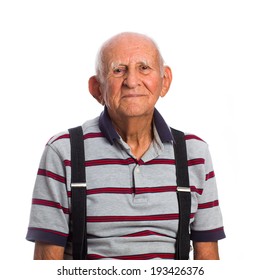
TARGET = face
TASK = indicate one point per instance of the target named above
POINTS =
(133, 78)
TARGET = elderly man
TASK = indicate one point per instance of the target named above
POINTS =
(131, 184)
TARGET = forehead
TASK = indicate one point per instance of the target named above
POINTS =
(130, 50)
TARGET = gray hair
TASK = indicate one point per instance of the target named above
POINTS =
(100, 61)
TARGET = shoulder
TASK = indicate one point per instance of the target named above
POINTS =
(196, 146)
(198, 149)
(62, 137)
(60, 142)
(195, 142)
(190, 136)
(193, 138)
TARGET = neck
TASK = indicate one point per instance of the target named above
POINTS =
(136, 132)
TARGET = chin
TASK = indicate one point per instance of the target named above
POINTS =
(135, 112)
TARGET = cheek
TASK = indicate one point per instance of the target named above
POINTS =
(154, 86)
(111, 91)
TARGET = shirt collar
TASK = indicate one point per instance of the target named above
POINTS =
(106, 127)
(162, 127)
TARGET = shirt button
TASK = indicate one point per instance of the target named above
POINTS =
(137, 170)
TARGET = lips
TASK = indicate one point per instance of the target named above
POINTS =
(134, 95)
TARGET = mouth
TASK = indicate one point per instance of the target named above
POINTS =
(133, 95)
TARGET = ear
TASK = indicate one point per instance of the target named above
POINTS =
(94, 89)
(167, 79)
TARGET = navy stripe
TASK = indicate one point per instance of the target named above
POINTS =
(47, 236)
(208, 235)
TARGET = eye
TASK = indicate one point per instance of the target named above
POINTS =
(144, 68)
(119, 71)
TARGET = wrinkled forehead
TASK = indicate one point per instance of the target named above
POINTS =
(130, 52)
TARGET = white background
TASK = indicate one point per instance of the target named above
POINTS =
(47, 54)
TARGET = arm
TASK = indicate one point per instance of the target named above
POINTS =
(206, 250)
(50, 190)
(45, 251)
(207, 227)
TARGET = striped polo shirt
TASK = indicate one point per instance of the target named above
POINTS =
(132, 207)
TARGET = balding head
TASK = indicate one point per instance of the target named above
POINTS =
(124, 40)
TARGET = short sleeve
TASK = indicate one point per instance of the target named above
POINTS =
(49, 217)
(208, 223)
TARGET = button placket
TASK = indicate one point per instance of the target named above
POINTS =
(139, 198)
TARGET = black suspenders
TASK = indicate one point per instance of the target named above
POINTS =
(78, 195)
(184, 196)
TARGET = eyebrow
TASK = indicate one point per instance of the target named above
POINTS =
(117, 64)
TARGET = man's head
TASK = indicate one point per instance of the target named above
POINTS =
(101, 70)
(131, 75)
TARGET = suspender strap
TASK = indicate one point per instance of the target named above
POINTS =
(183, 194)
(78, 194)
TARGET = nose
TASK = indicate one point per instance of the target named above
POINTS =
(131, 79)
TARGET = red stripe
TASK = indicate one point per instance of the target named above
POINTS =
(50, 231)
(160, 161)
(86, 136)
(137, 190)
(164, 189)
(64, 136)
(134, 257)
(49, 174)
(108, 161)
(196, 161)
(192, 136)
(67, 162)
(156, 189)
(208, 204)
(108, 219)
(131, 190)
(129, 161)
(110, 190)
(36, 201)
(210, 175)
(197, 190)
(144, 233)
(93, 135)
